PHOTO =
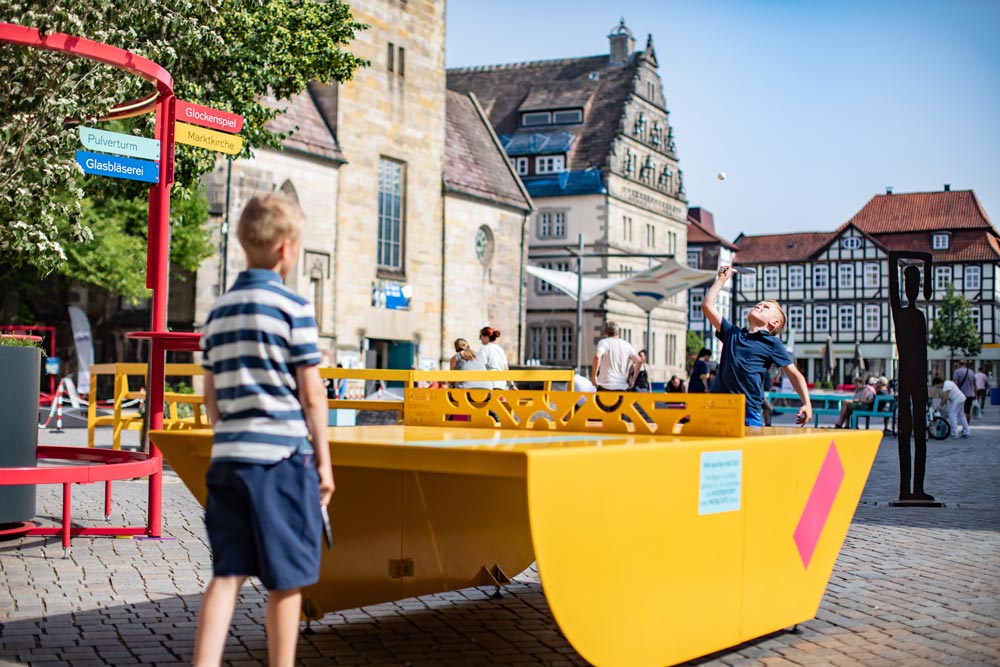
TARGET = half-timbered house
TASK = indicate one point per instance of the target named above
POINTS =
(834, 285)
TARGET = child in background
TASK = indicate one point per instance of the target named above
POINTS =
(747, 353)
(265, 398)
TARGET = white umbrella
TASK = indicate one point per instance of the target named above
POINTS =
(646, 289)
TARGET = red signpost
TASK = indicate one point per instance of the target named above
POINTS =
(214, 119)
(158, 254)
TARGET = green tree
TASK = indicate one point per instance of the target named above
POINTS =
(237, 55)
(118, 228)
(954, 327)
(693, 344)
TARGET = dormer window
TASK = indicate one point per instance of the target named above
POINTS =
(536, 118)
(560, 117)
(550, 164)
(567, 117)
(941, 241)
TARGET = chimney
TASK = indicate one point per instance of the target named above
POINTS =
(622, 45)
(888, 189)
(947, 187)
(703, 216)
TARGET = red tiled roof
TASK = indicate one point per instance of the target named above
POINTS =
(797, 247)
(310, 133)
(697, 233)
(922, 211)
(965, 246)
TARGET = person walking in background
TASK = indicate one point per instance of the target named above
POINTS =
(467, 360)
(953, 399)
(698, 384)
(493, 356)
(965, 378)
(748, 352)
(611, 369)
(267, 484)
(640, 378)
(982, 388)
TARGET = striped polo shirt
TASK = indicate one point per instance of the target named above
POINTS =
(257, 334)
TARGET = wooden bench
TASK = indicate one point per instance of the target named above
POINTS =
(123, 419)
(884, 406)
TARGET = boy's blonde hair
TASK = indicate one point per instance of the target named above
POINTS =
(265, 222)
(781, 325)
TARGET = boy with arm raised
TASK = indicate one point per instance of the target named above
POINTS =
(748, 352)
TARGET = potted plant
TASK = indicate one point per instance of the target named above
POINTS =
(20, 369)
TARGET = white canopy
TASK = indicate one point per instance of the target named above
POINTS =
(646, 289)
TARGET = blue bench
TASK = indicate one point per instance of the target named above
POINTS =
(822, 404)
(884, 406)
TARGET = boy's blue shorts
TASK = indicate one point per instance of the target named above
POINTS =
(263, 520)
(753, 419)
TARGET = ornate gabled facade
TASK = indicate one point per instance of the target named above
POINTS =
(591, 139)
(834, 285)
(415, 221)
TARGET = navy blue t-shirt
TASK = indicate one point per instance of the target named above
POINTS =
(697, 385)
(745, 359)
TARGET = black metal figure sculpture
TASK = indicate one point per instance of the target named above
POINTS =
(911, 391)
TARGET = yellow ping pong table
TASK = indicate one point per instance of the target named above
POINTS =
(663, 529)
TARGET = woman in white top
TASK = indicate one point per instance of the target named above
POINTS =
(493, 356)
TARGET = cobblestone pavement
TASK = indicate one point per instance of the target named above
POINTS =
(911, 587)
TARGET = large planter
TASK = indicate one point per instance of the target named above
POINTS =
(19, 375)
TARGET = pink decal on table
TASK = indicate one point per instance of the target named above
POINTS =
(817, 509)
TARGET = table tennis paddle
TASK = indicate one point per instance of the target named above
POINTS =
(327, 530)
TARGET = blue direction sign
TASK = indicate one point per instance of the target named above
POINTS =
(119, 144)
(118, 167)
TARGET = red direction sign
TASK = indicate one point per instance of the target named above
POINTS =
(214, 119)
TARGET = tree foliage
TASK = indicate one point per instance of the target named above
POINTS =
(236, 55)
(692, 346)
(118, 228)
(954, 327)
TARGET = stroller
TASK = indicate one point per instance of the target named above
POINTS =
(938, 427)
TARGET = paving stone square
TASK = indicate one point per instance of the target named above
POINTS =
(912, 586)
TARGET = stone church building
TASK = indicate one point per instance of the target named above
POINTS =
(416, 221)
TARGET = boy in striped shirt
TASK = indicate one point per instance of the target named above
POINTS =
(265, 398)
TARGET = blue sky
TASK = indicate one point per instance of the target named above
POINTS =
(810, 108)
